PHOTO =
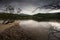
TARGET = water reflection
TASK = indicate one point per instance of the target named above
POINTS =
(35, 24)
(42, 29)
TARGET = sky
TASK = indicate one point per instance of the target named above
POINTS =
(27, 6)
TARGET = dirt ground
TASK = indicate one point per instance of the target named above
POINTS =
(13, 31)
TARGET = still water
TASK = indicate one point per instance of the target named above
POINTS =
(35, 24)
(41, 29)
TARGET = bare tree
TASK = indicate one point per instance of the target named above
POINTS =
(35, 9)
(19, 10)
(53, 6)
(10, 9)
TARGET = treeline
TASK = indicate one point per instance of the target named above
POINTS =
(46, 17)
(37, 17)
(11, 16)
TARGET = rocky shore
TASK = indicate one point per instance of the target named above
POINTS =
(16, 32)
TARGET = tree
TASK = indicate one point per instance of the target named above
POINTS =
(19, 10)
(10, 9)
(54, 5)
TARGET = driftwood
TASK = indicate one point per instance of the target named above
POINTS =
(7, 21)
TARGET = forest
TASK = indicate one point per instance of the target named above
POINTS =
(37, 17)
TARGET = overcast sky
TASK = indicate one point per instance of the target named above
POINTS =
(28, 6)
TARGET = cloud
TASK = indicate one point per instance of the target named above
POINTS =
(34, 2)
(54, 11)
(29, 5)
